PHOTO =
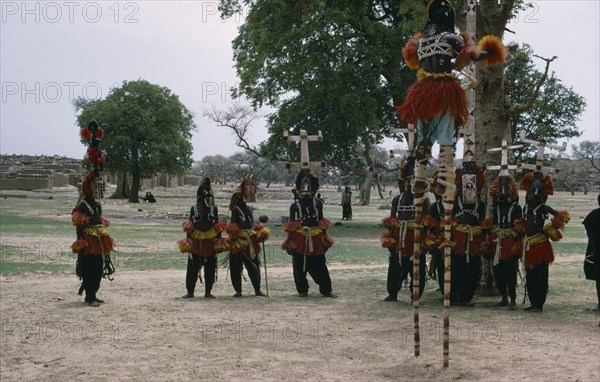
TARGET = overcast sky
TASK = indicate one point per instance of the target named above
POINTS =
(52, 52)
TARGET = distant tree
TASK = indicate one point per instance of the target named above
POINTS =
(147, 131)
(589, 151)
(540, 106)
(217, 167)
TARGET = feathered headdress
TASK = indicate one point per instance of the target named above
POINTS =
(514, 191)
(92, 136)
(246, 191)
(528, 179)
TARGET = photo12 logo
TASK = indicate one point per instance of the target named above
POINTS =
(212, 91)
(49, 92)
(53, 12)
(212, 10)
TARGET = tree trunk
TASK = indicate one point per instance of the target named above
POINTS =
(123, 189)
(491, 117)
(379, 187)
(567, 186)
(135, 188)
(365, 190)
(585, 189)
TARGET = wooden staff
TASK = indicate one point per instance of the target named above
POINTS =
(418, 202)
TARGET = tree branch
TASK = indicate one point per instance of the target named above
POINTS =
(505, 11)
(518, 109)
(237, 118)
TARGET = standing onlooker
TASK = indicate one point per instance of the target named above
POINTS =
(591, 266)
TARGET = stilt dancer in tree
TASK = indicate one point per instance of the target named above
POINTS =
(438, 105)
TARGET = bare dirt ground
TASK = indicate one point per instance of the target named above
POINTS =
(145, 332)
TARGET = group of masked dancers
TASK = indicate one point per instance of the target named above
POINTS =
(513, 233)
(307, 239)
(437, 105)
(483, 249)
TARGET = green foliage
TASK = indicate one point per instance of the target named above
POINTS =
(589, 151)
(329, 66)
(555, 112)
(147, 129)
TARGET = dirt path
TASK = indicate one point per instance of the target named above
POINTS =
(144, 332)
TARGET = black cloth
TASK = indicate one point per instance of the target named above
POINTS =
(316, 266)
(439, 267)
(591, 265)
(400, 268)
(393, 275)
(506, 278)
(89, 267)
(406, 265)
(465, 277)
(536, 282)
(194, 265)
(91, 275)
(237, 262)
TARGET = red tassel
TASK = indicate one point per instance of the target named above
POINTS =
(324, 223)
(496, 50)
(486, 224)
(519, 225)
(77, 218)
(517, 248)
(560, 220)
(463, 59)
(188, 226)
(428, 221)
(79, 245)
(409, 52)
(233, 230)
(548, 186)
(291, 226)
(185, 245)
(526, 181)
(85, 133)
(390, 222)
(220, 226)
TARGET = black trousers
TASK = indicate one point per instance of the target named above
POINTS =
(237, 262)
(91, 274)
(399, 269)
(438, 255)
(464, 278)
(536, 282)
(194, 266)
(316, 266)
(506, 278)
